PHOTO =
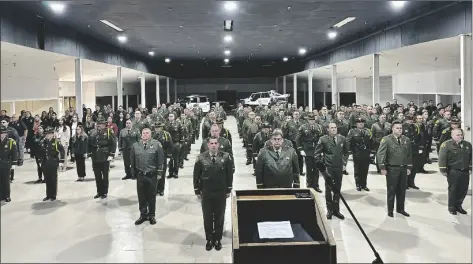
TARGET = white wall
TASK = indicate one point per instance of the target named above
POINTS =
(110, 89)
(345, 85)
(28, 81)
(436, 82)
(364, 91)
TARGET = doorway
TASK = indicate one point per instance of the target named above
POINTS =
(347, 98)
(229, 96)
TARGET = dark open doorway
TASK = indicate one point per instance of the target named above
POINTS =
(229, 96)
(347, 98)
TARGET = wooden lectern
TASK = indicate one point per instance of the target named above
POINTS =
(313, 241)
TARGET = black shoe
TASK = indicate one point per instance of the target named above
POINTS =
(459, 209)
(170, 176)
(175, 176)
(413, 186)
(141, 220)
(186, 158)
(423, 171)
(248, 162)
(218, 245)
(345, 172)
(104, 196)
(302, 173)
(53, 199)
(358, 188)
(126, 178)
(390, 214)
(209, 245)
(161, 193)
(365, 189)
(317, 189)
(133, 178)
(38, 181)
(181, 166)
(45, 199)
(97, 196)
(429, 161)
(452, 210)
(404, 213)
(339, 215)
(152, 220)
(329, 215)
(9, 200)
(78, 180)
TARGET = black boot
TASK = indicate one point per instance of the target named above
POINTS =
(209, 245)
(218, 245)
(141, 220)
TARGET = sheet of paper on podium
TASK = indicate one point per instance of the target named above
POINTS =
(273, 230)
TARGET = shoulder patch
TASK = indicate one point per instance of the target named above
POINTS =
(443, 145)
(382, 140)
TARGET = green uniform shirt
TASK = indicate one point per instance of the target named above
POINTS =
(332, 153)
(277, 172)
(390, 152)
(149, 160)
(213, 177)
(453, 156)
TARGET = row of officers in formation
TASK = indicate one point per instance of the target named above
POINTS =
(278, 141)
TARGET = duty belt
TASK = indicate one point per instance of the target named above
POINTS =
(397, 166)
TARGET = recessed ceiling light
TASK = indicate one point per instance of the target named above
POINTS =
(332, 34)
(167, 60)
(285, 59)
(227, 52)
(228, 38)
(302, 51)
(151, 53)
(181, 26)
(344, 21)
(57, 7)
(226, 60)
(228, 25)
(122, 38)
(110, 24)
(398, 4)
(230, 6)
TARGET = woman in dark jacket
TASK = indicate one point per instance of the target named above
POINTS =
(28, 120)
(79, 151)
(120, 122)
(35, 152)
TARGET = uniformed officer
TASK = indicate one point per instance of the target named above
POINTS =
(455, 157)
(359, 142)
(308, 136)
(447, 133)
(259, 140)
(290, 130)
(175, 130)
(166, 142)
(52, 154)
(416, 135)
(102, 144)
(277, 166)
(394, 158)
(379, 130)
(252, 130)
(147, 159)
(8, 159)
(223, 131)
(213, 181)
(140, 122)
(35, 151)
(332, 150)
(128, 136)
(224, 143)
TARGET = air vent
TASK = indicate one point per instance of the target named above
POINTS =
(267, 65)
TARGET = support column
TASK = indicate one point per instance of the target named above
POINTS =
(277, 85)
(168, 94)
(466, 71)
(311, 93)
(143, 90)
(375, 79)
(325, 99)
(79, 89)
(295, 89)
(438, 99)
(335, 94)
(284, 84)
(113, 103)
(119, 87)
(175, 90)
(13, 108)
(158, 98)
(127, 101)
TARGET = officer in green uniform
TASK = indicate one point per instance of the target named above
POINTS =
(291, 130)
(455, 163)
(259, 140)
(359, 142)
(224, 143)
(213, 181)
(175, 130)
(186, 145)
(447, 133)
(52, 154)
(332, 150)
(251, 132)
(8, 159)
(277, 166)
(379, 130)
(223, 131)
(165, 139)
(103, 144)
(147, 159)
(308, 136)
(128, 136)
(286, 143)
(394, 158)
(416, 135)
(140, 122)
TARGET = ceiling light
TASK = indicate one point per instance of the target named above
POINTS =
(151, 53)
(228, 38)
(181, 26)
(332, 34)
(122, 38)
(285, 59)
(226, 60)
(110, 24)
(227, 52)
(398, 4)
(167, 60)
(230, 6)
(302, 51)
(57, 7)
(228, 25)
(344, 21)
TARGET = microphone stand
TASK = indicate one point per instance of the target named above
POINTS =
(329, 179)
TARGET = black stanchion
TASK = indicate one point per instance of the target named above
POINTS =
(329, 179)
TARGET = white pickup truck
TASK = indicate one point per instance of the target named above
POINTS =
(265, 98)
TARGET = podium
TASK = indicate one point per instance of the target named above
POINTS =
(313, 241)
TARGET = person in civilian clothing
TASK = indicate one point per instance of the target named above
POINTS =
(79, 151)
(63, 134)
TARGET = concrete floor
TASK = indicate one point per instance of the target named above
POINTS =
(77, 228)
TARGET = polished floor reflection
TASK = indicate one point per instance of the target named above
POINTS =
(77, 228)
